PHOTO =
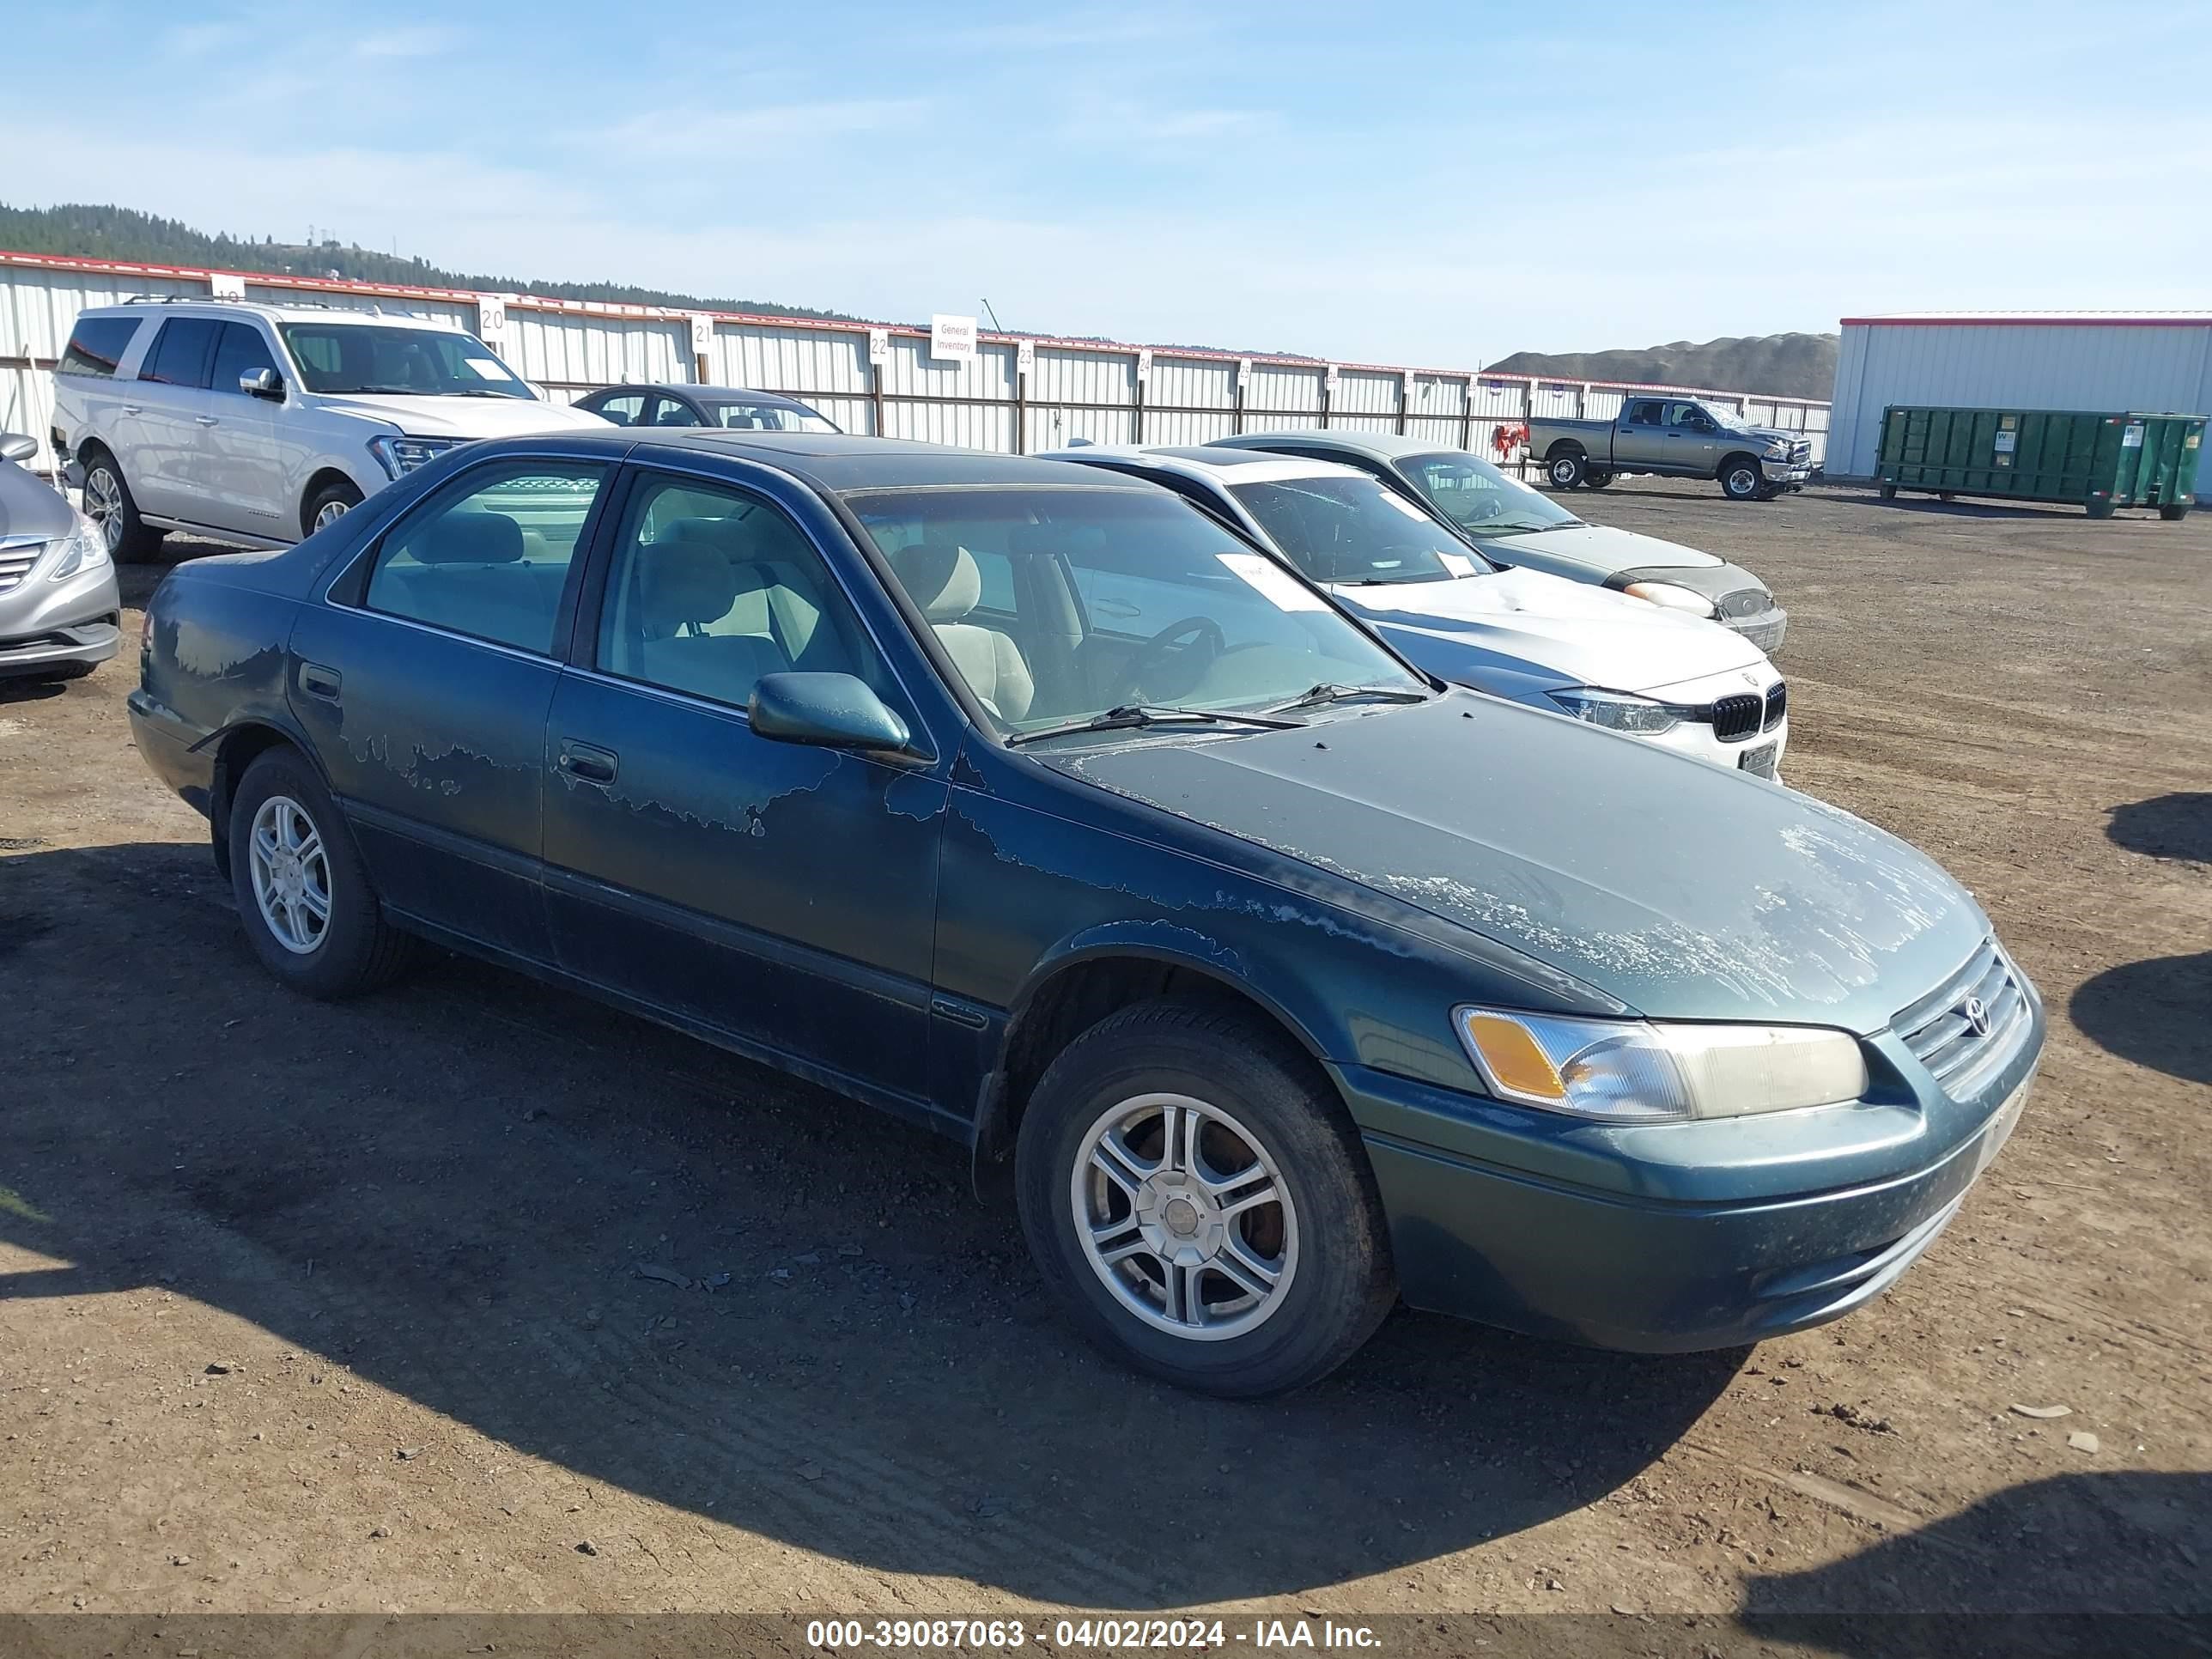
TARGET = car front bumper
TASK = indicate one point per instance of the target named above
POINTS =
(1765, 629)
(46, 625)
(1740, 1231)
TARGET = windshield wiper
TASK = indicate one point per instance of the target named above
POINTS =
(1314, 696)
(1129, 715)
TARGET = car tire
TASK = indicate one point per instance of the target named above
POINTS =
(1889, 492)
(327, 506)
(2174, 511)
(61, 673)
(1568, 469)
(1301, 1201)
(1741, 479)
(339, 948)
(108, 503)
(1596, 480)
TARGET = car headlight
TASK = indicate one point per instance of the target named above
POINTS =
(1616, 711)
(1650, 1071)
(82, 549)
(398, 455)
(1777, 452)
(1672, 597)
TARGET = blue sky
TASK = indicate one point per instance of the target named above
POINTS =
(1424, 184)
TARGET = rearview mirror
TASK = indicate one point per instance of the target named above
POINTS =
(828, 711)
(262, 383)
(16, 447)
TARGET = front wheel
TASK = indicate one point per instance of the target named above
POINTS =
(1201, 1204)
(300, 887)
(1741, 480)
(2174, 511)
(327, 506)
(1567, 469)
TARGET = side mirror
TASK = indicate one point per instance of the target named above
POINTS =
(828, 711)
(16, 446)
(262, 383)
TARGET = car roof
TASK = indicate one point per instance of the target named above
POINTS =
(1383, 445)
(199, 306)
(1218, 466)
(708, 393)
(841, 463)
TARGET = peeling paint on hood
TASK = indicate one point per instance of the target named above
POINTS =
(1685, 890)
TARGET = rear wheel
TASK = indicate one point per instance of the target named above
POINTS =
(300, 887)
(1596, 480)
(1889, 492)
(129, 538)
(1200, 1202)
(2174, 511)
(2101, 509)
(1741, 478)
(327, 506)
(1567, 469)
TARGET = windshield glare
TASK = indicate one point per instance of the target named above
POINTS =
(1058, 604)
(1477, 497)
(770, 417)
(428, 363)
(1341, 529)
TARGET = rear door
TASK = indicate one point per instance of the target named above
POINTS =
(424, 682)
(783, 896)
(1640, 436)
(162, 438)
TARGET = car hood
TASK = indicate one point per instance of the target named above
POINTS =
(1683, 889)
(1571, 632)
(465, 418)
(31, 506)
(1594, 547)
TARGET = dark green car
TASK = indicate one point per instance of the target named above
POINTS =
(1291, 981)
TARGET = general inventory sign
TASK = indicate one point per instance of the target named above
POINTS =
(953, 340)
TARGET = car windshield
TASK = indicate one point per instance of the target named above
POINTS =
(1351, 529)
(1479, 498)
(770, 417)
(1058, 605)
(381, 357)
(1722, 414)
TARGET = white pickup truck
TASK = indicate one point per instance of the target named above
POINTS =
(1674, 436)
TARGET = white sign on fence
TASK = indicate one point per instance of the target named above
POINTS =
(1144, 365)
(491, 319)
(953, 340)
(879, 346)
(1025, 357)
(226, 285)
(1328, 379)
(703, 334)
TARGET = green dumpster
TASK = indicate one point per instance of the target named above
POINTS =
(2098, 461)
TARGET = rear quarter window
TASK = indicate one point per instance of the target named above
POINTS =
(96, 345)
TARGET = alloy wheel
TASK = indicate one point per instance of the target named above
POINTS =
(291, 875)
(103, 505)
(1184, 1215)
(329, 514)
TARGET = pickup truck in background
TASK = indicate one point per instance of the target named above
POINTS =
(1674, 437)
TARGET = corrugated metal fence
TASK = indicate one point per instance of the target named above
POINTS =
(1018, 393)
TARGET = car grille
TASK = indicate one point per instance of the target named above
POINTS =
(1777, 705)
(16, 559)
(1736, 718)
(1801, 454)
(1943, 1035)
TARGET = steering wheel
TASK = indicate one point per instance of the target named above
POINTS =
(1157, 652)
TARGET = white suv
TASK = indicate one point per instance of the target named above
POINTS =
(259, 425)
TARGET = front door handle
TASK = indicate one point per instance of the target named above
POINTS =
(134, 409)
(318, 681)
(206, 420)
(586, 762)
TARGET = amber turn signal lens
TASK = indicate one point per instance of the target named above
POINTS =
(1515, 1061)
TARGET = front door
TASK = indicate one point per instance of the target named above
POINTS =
(1692, 439)
(425, 685)
(783, 896)
(244, 469)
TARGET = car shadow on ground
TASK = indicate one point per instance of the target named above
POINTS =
(453, 1188)
(2173, 826)
(2151, 1013)
(2071, 1564)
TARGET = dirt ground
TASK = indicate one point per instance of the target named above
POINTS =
(307, 1307)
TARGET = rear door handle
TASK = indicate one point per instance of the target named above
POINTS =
(206, 420)
(133, 409)
(318, 681)
(586, 762)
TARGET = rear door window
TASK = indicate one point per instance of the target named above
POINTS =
(491, 555)
(623, 410)
(180, 351)
(96, 344)
(1643, 413)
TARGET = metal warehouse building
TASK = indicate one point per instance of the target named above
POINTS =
(2152, 362)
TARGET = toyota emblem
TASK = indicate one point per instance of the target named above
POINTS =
(1978, 1015)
